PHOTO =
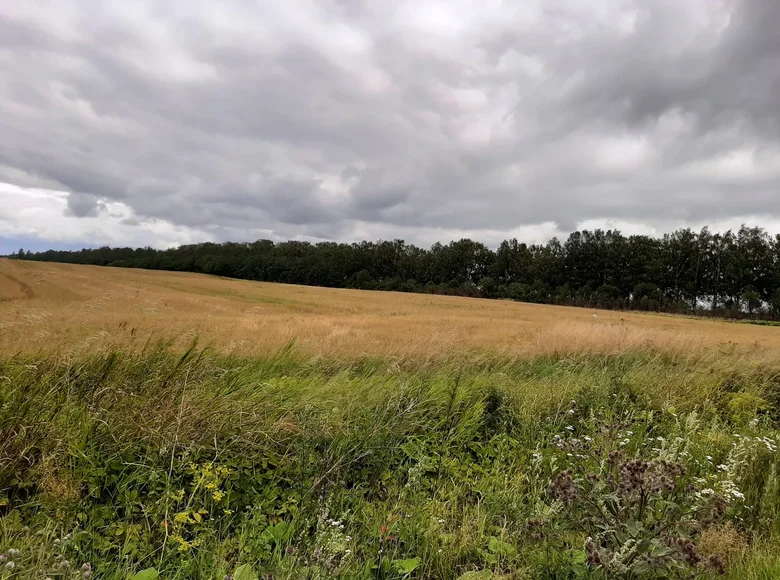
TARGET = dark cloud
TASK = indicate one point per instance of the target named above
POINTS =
(83, 205)
(356, 118)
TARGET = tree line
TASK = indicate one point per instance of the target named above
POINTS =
(731, 274)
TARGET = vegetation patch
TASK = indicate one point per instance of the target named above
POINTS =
(147, 463)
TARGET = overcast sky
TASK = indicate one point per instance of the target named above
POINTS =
(168, 122)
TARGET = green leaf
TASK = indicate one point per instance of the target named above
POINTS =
(479, 575)
(634, 528)
(148, 574)
(406, 566)
(244, 572)
(643, 546)
(500, 547)
(660, 550)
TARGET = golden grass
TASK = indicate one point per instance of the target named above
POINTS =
(67, 307)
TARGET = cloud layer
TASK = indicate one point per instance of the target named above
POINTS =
(348, 119)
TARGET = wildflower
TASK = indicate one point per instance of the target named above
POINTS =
(594, 558)
(687, 550)
(709, 457)
(3, 558)
(441, 521)
(57, 542)
(218, 495)
(184, 545)
(10, 566)
(570, 427)
(228, 512)
(26, 529)
(562, 487)
(86, 567)
(571, 411)
(347, 552)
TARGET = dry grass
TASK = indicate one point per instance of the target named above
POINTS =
(723, 541)
(69, 307)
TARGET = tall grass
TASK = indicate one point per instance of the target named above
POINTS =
(194, 463)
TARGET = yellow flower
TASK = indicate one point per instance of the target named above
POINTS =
(184, 545)
(181, 518)
(218, 495)
(228, 512)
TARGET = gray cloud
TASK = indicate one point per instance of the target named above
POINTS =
(354, 118)
(84, 205)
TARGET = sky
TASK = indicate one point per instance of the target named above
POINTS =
(178, 121)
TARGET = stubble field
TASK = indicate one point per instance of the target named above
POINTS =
(65, 306)
(199, 427)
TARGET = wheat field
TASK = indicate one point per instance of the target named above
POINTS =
(74, 307)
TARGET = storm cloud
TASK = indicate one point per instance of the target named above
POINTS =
(349, 119)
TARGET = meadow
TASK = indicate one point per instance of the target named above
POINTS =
(175, 425)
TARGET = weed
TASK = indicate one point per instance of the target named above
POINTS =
(192, 464)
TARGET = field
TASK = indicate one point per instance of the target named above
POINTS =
(63, 306)
(200, 427)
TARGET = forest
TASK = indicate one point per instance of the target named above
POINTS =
(731, 274)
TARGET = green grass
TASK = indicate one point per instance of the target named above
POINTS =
(761, 322)
(194, 464)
